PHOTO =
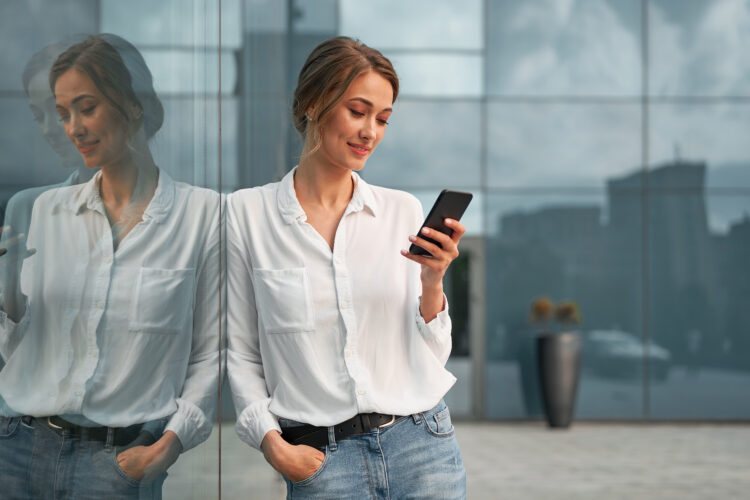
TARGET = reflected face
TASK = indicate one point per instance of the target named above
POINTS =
(356, 125)
(42, 105)
(93, 125)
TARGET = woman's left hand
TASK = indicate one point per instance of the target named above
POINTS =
(433, 268)
(146, 463)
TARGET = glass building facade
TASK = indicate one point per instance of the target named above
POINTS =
(602, 140)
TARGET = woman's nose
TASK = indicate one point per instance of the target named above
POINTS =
(368, 129)
(75, 127)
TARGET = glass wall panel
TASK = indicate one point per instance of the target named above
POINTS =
(697, 48)
(568, 249)
(417, 24)
(697, 295)
(562, 145)
(110, 258)
(709, 135)
(578, 48)
(429, 144)
(447, 75)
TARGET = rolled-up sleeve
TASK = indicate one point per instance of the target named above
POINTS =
(437, 333)
(11, 332)
(244, 363)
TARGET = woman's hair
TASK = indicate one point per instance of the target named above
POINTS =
(119, 73)
(326, 75)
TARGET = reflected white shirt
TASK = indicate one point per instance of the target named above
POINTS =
(119, 337)
(316, 335)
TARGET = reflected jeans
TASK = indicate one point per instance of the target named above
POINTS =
(417, 457)
(39, 462)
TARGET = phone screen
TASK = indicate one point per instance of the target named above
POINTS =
(450, 204)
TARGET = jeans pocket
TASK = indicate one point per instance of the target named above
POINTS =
(129, 480)
(317, 473)
(8, 426)
(438, 421)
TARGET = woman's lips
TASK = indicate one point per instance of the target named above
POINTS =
(359, 150)
(87, 148)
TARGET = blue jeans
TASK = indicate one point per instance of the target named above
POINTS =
(39, 462)
(417, 458)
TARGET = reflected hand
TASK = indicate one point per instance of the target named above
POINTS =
(295, 462)
(13, 251)
(146, 463)
(14, 246)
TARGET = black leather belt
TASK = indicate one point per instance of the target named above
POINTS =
(121, 435)
(317, 437)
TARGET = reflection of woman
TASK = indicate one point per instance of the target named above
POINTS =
(111, 356)
(18, 211)
(42, 104)
(337, 343)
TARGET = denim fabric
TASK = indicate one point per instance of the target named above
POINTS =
(417, 458)
(40, 463)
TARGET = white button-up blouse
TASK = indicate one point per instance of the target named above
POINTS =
(316, 335)
(118, 337)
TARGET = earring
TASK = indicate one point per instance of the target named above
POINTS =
(307, 117)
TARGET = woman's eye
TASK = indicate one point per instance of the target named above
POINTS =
(64, 118)
(383, 121)
(356, 113)
(88, 110)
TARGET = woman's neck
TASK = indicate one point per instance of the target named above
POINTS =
(324, 185)
(129, 181)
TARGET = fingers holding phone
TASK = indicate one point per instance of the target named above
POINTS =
(441, 249)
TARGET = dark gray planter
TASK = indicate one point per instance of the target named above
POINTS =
(559, 358)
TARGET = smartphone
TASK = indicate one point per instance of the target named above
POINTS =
(449, 205)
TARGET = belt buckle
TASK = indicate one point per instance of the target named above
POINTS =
(387, 424)
(54, 426)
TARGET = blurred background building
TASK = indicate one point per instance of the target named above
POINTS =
(605, 142)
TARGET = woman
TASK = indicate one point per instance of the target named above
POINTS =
(112, 360)
(337, 342)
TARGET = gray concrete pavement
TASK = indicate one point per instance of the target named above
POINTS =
(528, 461)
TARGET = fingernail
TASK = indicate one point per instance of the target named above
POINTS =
(412, 238)
(426, 230)
(404, 252)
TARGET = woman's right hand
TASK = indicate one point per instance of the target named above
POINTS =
(295, 462)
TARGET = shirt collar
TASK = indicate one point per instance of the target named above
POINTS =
(87, 197)
(292, 211)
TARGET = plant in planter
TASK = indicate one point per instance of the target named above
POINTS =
(558, 352)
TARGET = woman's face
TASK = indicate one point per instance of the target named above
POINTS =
(94, 126)
(356, 125)
(42, 104)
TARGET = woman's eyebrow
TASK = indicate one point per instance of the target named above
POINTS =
(368, 103)
(78, 98)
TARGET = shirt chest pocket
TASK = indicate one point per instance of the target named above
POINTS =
(163, 300)
(283, 300)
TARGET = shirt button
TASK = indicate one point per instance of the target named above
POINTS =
(347, 353)
(361, 392)
(344, 304)
(338, 260)
(100, 304)
(109, 260)
(79, 393)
